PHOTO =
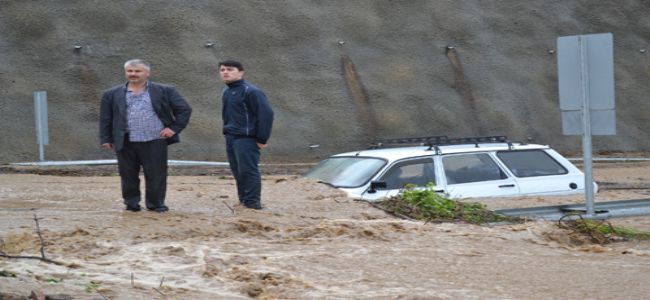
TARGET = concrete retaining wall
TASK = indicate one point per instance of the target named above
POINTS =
(338, 73)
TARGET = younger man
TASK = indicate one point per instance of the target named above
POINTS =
(247, 122)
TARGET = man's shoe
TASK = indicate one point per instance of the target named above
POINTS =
(133, 208)
(254, 207)
(161, 209)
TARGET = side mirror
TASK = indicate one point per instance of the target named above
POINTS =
(374, 185)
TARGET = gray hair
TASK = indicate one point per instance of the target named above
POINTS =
(137, 61)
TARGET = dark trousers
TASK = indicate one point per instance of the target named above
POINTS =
(244, 158)
(152, 157)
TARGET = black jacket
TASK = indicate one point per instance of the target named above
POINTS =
(246, 111)
(172, 109)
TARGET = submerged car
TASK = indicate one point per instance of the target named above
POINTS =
(459, 168)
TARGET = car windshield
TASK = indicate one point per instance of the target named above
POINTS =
(346, 171)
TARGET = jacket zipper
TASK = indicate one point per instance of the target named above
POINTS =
(246, 113)
(246, 108)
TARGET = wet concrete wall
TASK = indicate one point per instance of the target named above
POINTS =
(339, 73)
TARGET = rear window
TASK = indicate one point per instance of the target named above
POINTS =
(474, 167)
(530, 163)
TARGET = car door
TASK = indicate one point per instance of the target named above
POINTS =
(418, 171)
(476, 175)
(541, 171)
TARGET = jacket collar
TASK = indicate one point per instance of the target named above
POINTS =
(126, 86)
(236, 83)
(154, 95)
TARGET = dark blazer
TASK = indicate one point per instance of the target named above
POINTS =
(172, 109)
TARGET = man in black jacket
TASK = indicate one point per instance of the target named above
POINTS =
(247, 122)
(138, 120)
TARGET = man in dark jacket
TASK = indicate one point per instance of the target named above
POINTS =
(138, 120)
(247, 122)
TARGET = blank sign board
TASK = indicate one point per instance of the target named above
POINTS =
(586, 83)
(40, 112)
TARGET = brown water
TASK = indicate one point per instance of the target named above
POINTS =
(309, 242)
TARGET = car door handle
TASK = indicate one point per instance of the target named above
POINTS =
(506, 185)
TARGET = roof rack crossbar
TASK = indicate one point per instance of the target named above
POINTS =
(479, 139)
(434, 141)
(425, 140)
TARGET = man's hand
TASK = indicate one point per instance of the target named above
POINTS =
(167, 133)
(108, 146)
(261, 146)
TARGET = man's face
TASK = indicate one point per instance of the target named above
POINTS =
(136, 74)
(230, 74)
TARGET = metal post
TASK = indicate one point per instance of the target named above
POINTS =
(40, 112)
(41, 152)
(586, 135)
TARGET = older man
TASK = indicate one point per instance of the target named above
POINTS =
(138, 119)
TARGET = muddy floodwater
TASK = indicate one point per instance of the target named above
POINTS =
(310, 242)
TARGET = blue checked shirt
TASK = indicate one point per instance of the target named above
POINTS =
(143, 123)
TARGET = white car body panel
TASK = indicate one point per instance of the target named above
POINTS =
(572, 182)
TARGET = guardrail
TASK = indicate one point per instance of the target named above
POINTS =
(603, 210)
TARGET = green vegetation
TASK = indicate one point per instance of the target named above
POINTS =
(602, 232)
(53, 280)
(624, 232)
(427, 205)
(5, 273)
(92, 287)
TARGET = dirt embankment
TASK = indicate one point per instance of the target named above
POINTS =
(339, 74)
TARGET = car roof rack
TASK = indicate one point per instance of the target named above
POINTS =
(479, 140)
(434, 141)
(419, 141)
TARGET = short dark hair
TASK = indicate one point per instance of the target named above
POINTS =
(232, 63)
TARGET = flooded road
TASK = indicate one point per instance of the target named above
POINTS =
(310, 241)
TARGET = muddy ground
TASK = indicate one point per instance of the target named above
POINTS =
(310, 241)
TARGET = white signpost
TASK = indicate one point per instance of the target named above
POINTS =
(585, 66)
(40, 113)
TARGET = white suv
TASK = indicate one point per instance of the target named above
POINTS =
(461, 168)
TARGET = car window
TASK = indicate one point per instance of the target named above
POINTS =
(472, 167)
(346, 171)
(529, 163)
(419, 172)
